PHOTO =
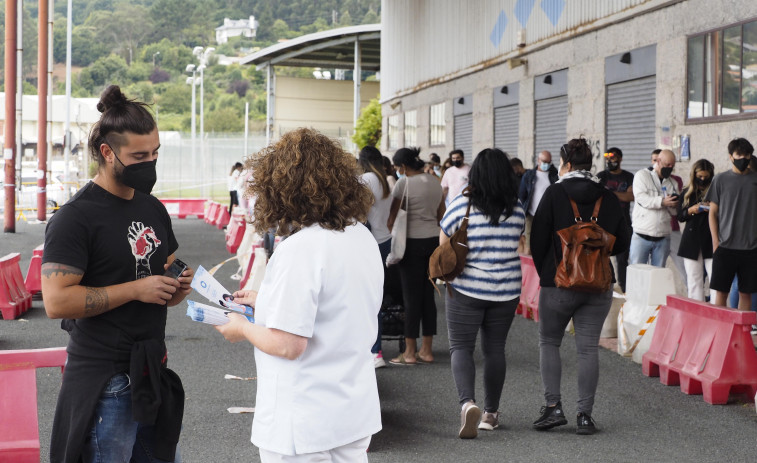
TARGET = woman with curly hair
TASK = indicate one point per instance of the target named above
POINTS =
(425, 207)
(316, 312)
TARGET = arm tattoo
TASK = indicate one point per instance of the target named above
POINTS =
(52, 269)
(96, 301)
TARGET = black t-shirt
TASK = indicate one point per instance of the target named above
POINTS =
(113, 241)
(621, 182)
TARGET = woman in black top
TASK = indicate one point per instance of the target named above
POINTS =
(696, 240)
(557, 306)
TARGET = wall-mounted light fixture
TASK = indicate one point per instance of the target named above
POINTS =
(515, 62)
(548, 80)
(461, 100)
(395, 104)
(626, 58)
(503, 90)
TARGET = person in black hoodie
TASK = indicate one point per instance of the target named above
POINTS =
(557, 306)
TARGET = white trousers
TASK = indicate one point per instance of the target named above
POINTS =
(695, 276)
(356, 452)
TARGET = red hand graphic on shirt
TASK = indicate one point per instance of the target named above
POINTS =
(144, 242)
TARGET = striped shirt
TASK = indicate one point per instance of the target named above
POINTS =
(492, 267)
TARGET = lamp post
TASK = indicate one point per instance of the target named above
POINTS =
(202, 55)
(193, 81)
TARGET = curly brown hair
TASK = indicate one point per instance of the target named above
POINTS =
(304, 179)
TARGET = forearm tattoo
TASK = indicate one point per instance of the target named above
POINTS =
(96, 301)
(52, 269)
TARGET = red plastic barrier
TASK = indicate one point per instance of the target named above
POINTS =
(32, 282)
(706, 349)
(212, 213)
(19, 436)
(223, 217)
(14, 298)
(235, 232)
(529, 293)
(184, 207)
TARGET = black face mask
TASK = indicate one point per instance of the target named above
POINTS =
(702, 182)
(741, 164)
(457, 163)
(613, 166)
(666, 171)
(140, 176)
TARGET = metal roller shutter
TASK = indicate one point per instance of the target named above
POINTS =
(464, 135)
(551, 126)
(631, 121)
(506, 129)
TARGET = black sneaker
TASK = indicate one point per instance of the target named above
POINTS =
(550, 417)
(585, 425)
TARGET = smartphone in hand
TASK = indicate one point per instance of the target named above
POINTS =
(176, 268)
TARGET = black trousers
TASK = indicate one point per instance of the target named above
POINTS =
(234, 200)
(417, 289)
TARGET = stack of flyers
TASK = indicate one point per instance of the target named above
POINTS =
(213, 291)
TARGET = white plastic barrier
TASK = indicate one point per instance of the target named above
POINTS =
(257, 272)
(646, 289)
(610, 327)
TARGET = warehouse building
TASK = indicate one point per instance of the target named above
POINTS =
(527, 75)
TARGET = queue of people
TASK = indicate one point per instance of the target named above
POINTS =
(325, 284)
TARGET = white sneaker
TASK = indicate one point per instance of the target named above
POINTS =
(378, 361)
(489, 421)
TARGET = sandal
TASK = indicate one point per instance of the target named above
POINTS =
(400, 360)
(422, 360)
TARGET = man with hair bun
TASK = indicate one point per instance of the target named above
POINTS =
(106, 252)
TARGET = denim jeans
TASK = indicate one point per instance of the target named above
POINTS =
(384, 249)
(466, 316)
(115, 436)
(557, 307)
(649, 252)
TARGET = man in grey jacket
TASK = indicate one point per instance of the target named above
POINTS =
(656, 197)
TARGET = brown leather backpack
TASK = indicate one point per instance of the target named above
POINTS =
(586, 248)
(448, 260)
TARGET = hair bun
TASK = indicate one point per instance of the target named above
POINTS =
(110, 98)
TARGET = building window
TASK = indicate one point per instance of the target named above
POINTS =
(411, 125)
(722, 72)
(393, 131)
(438, 125)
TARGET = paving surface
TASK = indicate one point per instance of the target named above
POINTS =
(640, 419)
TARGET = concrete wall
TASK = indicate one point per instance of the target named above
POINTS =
(584, 55)
(326, 105)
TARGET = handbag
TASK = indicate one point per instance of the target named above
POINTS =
(448, 260)
(399, 230)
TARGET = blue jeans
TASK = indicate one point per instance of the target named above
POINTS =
(649, 252)
(733, 297)
(384, 249)
(115, 436)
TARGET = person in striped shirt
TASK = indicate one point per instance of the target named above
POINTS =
(485, 295)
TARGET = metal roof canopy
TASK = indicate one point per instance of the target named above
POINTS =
(333, 48)
(354, 47)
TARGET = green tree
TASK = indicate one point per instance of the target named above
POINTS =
(105, 71)
(346, 19)
(368, 127)
(176, 98)
(371, 17)
(224, 120)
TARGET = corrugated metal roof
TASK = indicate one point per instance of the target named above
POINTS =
(333, 48)
(427, 42)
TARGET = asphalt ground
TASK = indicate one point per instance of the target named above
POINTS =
(639, 418)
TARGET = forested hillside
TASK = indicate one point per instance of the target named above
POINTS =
(145, 46)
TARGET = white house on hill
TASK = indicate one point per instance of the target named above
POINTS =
(235, 28)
